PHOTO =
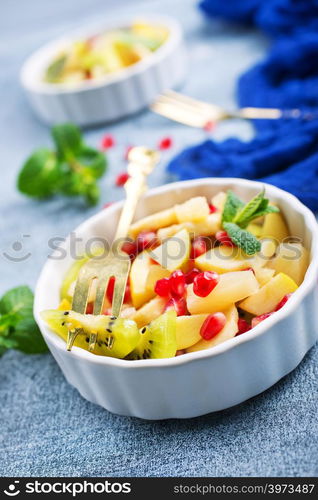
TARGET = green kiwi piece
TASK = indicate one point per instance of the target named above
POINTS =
(158, 339)
(116, 337)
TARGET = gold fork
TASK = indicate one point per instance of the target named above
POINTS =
(117, 263)
(195, 113)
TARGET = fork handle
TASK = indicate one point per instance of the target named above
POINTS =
(142, 162)
(134, 187)
(271, 113)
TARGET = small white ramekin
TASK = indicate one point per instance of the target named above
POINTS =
(199, 382)
(112, 97)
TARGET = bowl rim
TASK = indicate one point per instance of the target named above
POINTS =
(34, 84)
(303, 290)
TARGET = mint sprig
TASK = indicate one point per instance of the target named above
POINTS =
(231, 206)
(18, 329)
(72, 169)
(237, 216)
(242, 238)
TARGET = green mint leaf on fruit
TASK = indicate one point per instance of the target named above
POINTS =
(39, 175)
(247, 212)
(242, 238)
(18, 329)
(232, 205)
(268, 209)
(68, 140)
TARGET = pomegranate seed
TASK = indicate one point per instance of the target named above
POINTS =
(121, 179)
(89, 308)
(224, 238)
(146, 239)
(108, 204)
(189, 277)
(110, 289)
(127, 296)
(199, 247)
(179, 304)
(259, 319)
(130, 248)
(177, 283)
(282, 302)
(162, 287)
(108, 141)
(212, 208)
(243, 326)
(204, 283)
(127, 151)
(213, 324)
(165, 143)
(209, 126)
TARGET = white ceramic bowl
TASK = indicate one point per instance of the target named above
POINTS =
(109, 98)
(200, 382)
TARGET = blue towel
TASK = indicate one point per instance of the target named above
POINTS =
(284, 152)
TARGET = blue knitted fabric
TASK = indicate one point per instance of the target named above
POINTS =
(284, 151)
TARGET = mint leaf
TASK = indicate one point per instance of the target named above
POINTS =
(92, 194)
(28, 337)
(72, 170)
(247, 212)
(68, 140)
(18, 300)
(242, 238)
(270, 209)
(231, 206)
(39, 174)
(93, 162)
(18, 329)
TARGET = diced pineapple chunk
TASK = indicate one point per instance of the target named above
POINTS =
(231, 288)
(262, 258)
(263, 274)
(194, 210)
(222, 259)
(275, 227)
(218, 200)
(255, 229)
(207, 227)
(140, 293)
(174, 252)
(153, 222)
(150, 311)
(188, 330)
(291, 259)
(266, 298)
(229, 331)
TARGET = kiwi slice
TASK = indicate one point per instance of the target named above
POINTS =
(158, 339)
(116, 337)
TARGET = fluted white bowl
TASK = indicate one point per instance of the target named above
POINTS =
(113, 96)
(199, 382)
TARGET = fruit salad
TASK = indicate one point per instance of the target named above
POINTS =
(202, 272)
(106, 53)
